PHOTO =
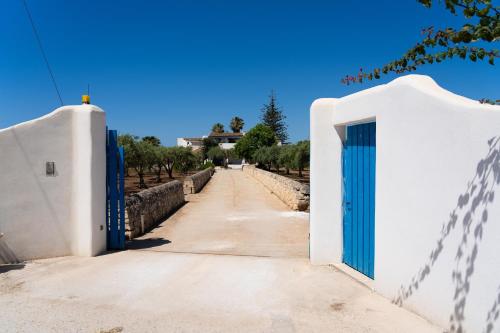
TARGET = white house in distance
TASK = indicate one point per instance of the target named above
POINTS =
(194, 143)
(404, 185)
(225, 140)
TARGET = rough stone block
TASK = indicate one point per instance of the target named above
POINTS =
(155, 204)
(294, 194)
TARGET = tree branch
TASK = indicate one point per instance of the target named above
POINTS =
(453, 43)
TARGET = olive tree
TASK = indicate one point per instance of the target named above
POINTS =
(141, 156)
(216, 155)
(185, 159)
(152, 140)
(167, 161)
(262, 157)
(207, 144)
(126, 141)
(274, 157)
(287, 157)
(302, 154)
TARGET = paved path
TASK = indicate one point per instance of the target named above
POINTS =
(253, 277)
(233, 214)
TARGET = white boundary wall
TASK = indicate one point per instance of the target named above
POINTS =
(437, 211)
(46, 216)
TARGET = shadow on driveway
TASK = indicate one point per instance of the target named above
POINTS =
(137, 244)
(7, 268)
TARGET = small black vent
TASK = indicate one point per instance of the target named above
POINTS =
(50, 169)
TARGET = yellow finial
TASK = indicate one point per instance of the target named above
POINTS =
(85, 99)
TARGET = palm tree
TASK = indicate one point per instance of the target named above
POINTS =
(218, 128)
(237, 124)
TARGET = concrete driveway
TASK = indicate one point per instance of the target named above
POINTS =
(234, 214)
(239, 266)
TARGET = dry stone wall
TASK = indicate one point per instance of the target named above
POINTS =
(154, 204)
(194, 183)
(291, 192)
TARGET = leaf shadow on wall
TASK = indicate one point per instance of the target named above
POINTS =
(472, 206)
(493, 314)
(7, 256)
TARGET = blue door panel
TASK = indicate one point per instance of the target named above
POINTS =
(359, 197)
(115, 194)
(347, 230)
(371, 235)
(366, 197)
(355, 202)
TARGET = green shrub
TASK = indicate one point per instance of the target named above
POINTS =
(206, 165)
(217, 155)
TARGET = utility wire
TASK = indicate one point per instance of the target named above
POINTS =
(42, 51)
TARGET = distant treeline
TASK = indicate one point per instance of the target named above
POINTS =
(148, 154)
(265, 144)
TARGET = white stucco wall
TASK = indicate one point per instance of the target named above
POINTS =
(181, 142)
(46, 216)
(437, 215)
(227, 145)
(325, 232)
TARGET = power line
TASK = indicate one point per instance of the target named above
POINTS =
(42, 51)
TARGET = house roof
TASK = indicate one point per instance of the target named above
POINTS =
(225, 135)
(193, 139)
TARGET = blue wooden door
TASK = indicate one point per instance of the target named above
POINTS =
(359, 198)
(115, 192)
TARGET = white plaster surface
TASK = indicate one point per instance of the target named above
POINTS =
(326, 214)
(437, 215)
(46, 216)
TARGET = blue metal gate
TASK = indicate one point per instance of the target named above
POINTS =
(359, 198)
(115, 196)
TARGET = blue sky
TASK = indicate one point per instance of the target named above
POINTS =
(173, 68)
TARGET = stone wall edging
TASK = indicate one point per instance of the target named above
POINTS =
(196, 182)
(154, 204)
(294, 194)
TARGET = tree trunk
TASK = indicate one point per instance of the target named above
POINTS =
(300, 172)
(169, 171)
(158, 175)
(142, 183)
(287, 171)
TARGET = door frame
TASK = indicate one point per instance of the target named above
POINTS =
(358, 248)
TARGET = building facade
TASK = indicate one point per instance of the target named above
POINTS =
(194, 143)
(403, 193)
(225, 140)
